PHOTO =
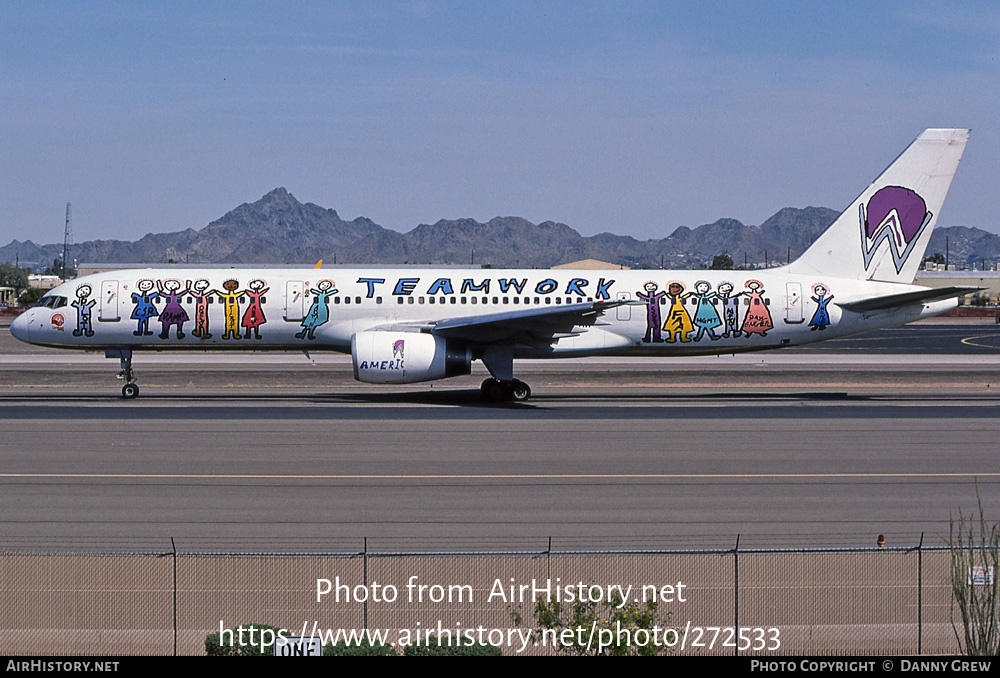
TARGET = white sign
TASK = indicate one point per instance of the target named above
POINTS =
(295, 646)
(980, 576)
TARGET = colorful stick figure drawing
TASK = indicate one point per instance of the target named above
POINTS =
(201, 294)
(758, 318)
(821, 318)
(653, 300)
(253, 318)
(730, 309)
(231, 298)
(173, 313)
(678, 321)
(84, 324)
(144, 308)
(706, 318)
(319, 312)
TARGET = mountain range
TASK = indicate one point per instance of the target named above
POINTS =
(278, 229)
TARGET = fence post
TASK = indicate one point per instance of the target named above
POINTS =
(173, 551)
(736, 592)
(920, 595)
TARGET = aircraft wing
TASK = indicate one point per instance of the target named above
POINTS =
(920, 296)
(530, 325)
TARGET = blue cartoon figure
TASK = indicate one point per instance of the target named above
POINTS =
(706, 318)
(84, 324)
(653, 300)
(144, 308)
(821, 318)
(319, 312)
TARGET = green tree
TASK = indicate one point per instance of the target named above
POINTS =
(975, 585)
(58, 268)
(362, 649)
(606, 628)
(228, 644)
(722, 262)
(433, 646)
(11, 276)
(30, 296)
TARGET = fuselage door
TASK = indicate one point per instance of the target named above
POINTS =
(108, 312)
(624, 312)
(793, 303)
(295, 300)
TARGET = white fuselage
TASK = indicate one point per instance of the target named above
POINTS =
(667, 312)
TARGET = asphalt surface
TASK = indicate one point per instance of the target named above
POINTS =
(829, 445)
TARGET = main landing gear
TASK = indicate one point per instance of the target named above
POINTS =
(499, 360)
(496, 391)
(130, 390)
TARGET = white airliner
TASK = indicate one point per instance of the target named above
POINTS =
(410, 325)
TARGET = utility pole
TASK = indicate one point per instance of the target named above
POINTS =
(67, 242)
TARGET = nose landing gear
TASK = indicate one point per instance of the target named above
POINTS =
(130, 390)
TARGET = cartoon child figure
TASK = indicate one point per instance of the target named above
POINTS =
(821, 318)
(253, 318)
(653, 320)
(758, 318)
(84, 324)
(201, 294)
(706, 318)
(173, 313)
(319, 312)
(678, 323)
(231, 299)
(730, 308)
(144, 308)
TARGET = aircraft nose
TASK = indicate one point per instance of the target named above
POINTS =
(19, 329)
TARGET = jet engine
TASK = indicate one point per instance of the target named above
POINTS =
(387, 357)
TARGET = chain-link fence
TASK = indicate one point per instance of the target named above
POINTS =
(821, 601)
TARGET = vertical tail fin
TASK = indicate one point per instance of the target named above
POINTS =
(884, 233)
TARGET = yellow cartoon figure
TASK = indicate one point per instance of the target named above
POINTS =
(231, 298)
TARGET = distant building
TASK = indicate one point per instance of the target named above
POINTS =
(44, 282)
(7, 296)
(990, 280)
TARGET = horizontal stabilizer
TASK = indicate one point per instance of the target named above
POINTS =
(918, 297)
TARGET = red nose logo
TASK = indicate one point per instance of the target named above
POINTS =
(58, 320)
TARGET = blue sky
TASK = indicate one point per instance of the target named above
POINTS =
(153, 117)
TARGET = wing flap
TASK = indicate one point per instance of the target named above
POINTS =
(541, 325)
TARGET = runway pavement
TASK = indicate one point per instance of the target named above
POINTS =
(828, 445)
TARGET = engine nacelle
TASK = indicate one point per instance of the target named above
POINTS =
(386, 357)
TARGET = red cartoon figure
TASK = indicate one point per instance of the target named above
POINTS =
(201, 294)
(253, 317)
(758, 318)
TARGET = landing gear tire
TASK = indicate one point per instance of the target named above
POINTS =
(519, 391)
(130, 391)
(496, 391)
(492, 390)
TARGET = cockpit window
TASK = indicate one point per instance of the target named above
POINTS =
(51, 301)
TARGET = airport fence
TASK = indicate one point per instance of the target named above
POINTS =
(888, 601)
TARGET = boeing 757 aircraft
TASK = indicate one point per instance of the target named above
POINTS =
(410, 325)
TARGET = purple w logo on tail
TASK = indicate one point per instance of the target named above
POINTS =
(895, 215)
